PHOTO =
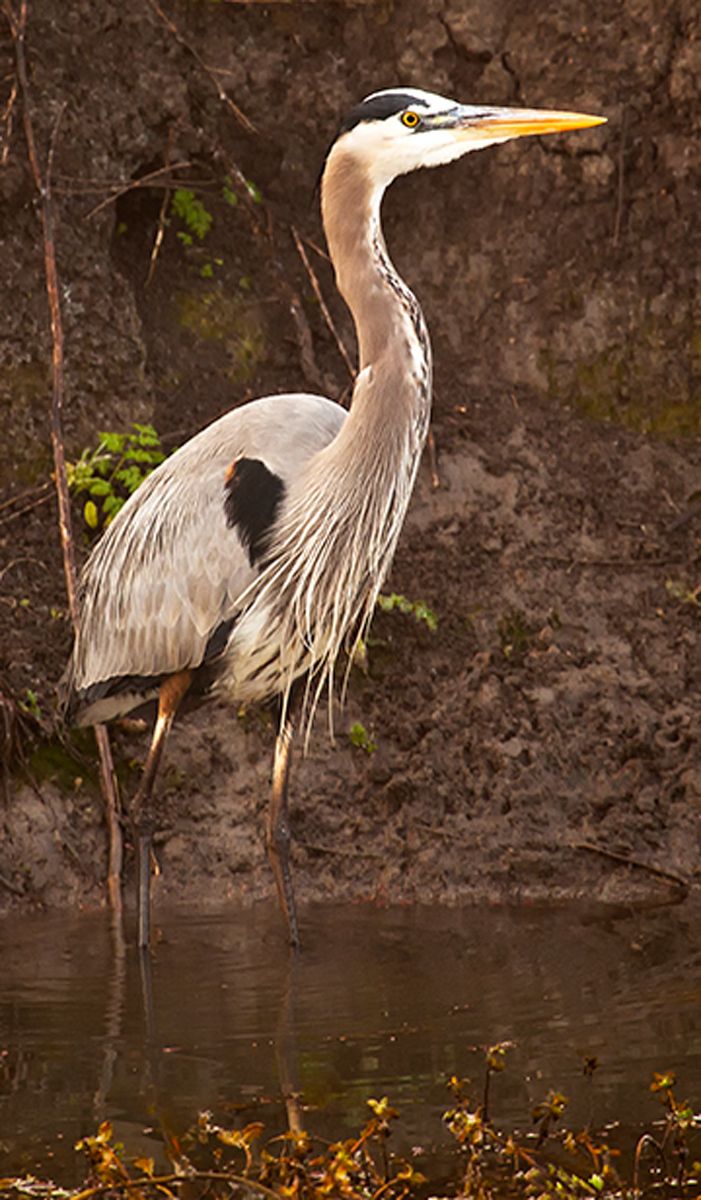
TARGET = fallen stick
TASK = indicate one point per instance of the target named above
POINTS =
(659, 872)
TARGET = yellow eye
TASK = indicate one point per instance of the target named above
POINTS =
(410, 119)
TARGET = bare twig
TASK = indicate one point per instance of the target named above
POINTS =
(57, 375)
(85, 185)
(160, 234)
(338, 851)
(11, 887)
(16, 562)
(304, 337)
(20, 512)
(18, 26)
(162, 217)
(322, 303)
(644, 1143)
(43, 186)
(658, 872)
(212, 75)
(433, 461)
(621, 176)
(317, 249)
(623, 564)
(110, 790)
(128, 1185)
(143, 181)
(6, 118)
(33, 491)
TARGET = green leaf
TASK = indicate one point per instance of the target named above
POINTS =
(192, 213)
(254, 192)
(114, 442)
(146, 433)
(100, 487)
(130, 478)
(416, 608)
(360, 738)
(145, 456)
(90, 514)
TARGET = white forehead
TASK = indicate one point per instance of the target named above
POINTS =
(429, 102)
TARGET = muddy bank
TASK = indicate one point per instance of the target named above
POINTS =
(556, 705)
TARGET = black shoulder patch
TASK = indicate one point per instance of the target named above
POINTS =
(218, 640)
(377, 108)
(252, 496)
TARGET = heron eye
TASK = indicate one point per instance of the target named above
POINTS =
(410, 119)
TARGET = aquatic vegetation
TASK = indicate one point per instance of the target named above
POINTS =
(550, 1162)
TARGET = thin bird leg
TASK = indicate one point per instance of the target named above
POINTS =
(278, 831)
(170, 696)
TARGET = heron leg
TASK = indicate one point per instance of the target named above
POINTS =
(278, 831)
(170, 696)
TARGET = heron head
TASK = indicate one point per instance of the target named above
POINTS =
(398, 130)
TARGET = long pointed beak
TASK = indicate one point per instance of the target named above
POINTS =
(501, 123)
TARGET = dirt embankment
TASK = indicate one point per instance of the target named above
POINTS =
(557, 703)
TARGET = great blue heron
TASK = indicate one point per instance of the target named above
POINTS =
(249, 557)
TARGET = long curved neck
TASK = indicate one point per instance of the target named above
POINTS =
(392, 336)
(343, 512)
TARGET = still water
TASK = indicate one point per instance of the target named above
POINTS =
(381, 1002)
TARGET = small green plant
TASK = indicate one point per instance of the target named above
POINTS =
(230, 197)
(415, 608)
(30, 705)
(254, 191)
(677, 590)
(195, 217)
(360, 738)
(228, 194)
(515, 635)
(111, 472)
(207, 268)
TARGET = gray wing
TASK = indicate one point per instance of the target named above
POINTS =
(169, 569)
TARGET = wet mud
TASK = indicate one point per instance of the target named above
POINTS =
(548, 728)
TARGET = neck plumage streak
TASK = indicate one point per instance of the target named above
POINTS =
(322, 574)
(332, 547)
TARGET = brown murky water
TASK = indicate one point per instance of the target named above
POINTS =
(381, 1002)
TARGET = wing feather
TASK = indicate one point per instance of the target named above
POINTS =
(169, 569)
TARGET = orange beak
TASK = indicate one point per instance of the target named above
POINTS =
(497, 123)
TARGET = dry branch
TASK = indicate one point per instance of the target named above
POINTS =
(6, 119)
(637, 863)
(618, 218)
(142, 181)
(211, 74)
(18, 26)
(161, 1181)
(322, 303)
